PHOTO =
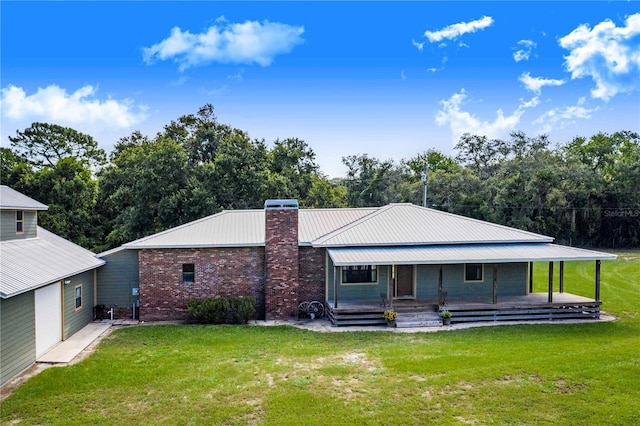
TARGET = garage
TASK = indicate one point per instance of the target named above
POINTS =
(48, 304)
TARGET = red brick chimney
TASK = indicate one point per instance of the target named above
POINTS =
(281, 259)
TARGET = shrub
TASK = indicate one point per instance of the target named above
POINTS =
(219, 309)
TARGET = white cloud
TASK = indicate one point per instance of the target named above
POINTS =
(419, 46)
(454, 31)
(246, 43)
(561, 117)
(444, 61)
(610, 55)
(535, 84)
(524, 52)
(403, 76)
(53, 104)
(460, 121)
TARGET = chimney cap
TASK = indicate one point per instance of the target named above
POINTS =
(288, 204)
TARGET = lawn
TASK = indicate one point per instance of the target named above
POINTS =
(578, 374)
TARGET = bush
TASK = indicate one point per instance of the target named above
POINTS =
(219, 310)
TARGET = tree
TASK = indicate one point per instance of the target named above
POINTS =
(45, 144)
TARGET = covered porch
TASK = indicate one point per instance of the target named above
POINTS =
(506, 296)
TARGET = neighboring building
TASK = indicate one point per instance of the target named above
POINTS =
(354, 260)
(47, 285)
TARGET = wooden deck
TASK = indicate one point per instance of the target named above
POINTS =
(534, 306)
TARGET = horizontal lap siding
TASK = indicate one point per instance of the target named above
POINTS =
(117, 278)
(8, 225)
(358, 292)
(17, 335)
(74, 319)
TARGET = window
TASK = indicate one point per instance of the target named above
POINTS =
(79, 297)
(359, 274)
(19, 222)
(188, 273)
(473, 272)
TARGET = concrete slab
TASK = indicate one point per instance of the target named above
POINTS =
(67, 350)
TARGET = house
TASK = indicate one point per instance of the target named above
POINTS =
(47, 285)
(356, 261)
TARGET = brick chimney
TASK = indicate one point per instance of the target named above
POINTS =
(281, 259)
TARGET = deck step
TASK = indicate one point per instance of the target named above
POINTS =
(425, 323)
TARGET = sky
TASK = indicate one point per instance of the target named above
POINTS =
(387, 79)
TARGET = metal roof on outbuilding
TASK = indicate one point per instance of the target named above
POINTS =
(409, 225)
(468, 253)
(35, 262)
(10, 199)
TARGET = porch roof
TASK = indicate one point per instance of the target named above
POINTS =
(467, 253)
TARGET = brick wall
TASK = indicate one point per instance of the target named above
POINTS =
(312, 274)
(218, 271)
(281, 263)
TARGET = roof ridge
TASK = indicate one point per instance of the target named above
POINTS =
(356, 222)
(484, 222)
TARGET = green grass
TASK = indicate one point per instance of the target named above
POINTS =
(577, 374)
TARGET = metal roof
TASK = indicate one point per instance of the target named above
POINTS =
(35, 262)
(243, 228)
(468, 253)
(10, 199)
(409, 225)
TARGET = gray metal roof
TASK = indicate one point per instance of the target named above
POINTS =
(243, 228)
(409, 225)
(35, 262)
(468, 253)
(10, 199)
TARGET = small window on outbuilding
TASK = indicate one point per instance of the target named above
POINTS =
(359, 274)
(473, 272)
(79, 297)
(19, 222)
(188, 273)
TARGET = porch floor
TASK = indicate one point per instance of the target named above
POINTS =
(532, 306)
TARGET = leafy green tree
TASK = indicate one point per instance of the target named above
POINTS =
(45, 144)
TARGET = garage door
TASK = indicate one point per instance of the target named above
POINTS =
(48, 317)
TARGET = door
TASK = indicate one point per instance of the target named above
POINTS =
(404, 281)
(48, 301)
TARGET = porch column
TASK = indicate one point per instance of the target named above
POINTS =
(335, 286)
(495, 283)
(390, 286)
(562, 276)
(550, 282)
(440, 288)
(530, 277)
(598, 280)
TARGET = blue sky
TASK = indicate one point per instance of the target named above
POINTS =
(390, 79)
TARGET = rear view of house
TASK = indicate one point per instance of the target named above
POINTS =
(47, 285)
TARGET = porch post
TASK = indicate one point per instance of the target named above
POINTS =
(598, 280)
(440, 288)
(495, 283)
(550, 282)
(390, 287)
(530, 277)
(335, 287)
(562, 276)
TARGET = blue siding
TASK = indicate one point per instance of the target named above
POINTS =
(117, 278)
(512, 281)
(359, 292)
(17, 335)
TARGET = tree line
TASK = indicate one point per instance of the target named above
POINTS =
(583, 192)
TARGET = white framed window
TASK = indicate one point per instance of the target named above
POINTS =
(188, 273)
(19, 222)
(359, 274)
(473, 272)
(78, 293)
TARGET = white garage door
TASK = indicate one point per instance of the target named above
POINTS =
(48, 317)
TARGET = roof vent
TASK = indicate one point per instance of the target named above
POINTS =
(281, 205)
